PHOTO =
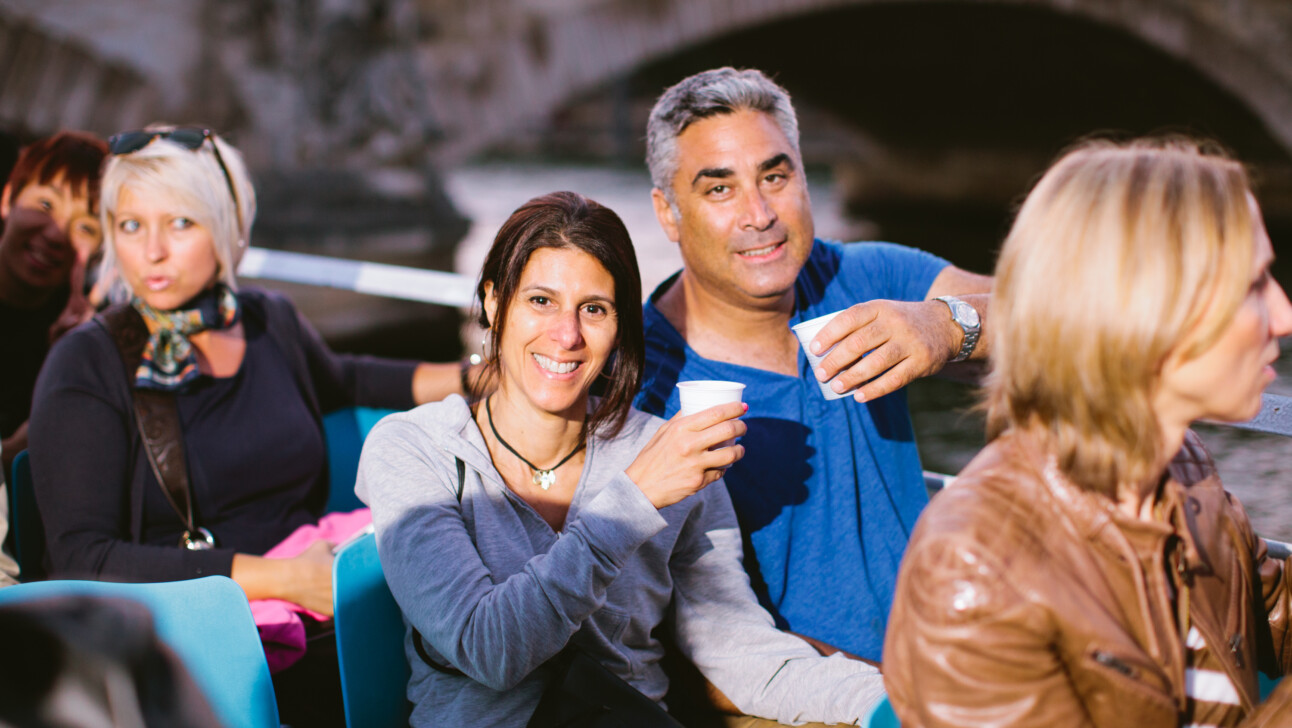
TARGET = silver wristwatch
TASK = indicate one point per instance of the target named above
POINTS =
(966, 317)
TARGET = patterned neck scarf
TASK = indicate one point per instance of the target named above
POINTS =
(168, 361)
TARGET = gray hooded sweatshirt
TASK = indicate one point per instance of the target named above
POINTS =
(496, 592)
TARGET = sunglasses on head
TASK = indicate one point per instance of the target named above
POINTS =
(190, 137)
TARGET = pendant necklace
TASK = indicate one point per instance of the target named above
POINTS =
(542, 478)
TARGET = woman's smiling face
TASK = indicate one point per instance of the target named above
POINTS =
(561, 328)
(43, 259)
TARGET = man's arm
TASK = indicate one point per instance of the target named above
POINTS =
(886, 345)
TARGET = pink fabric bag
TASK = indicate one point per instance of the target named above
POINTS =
(281, 630)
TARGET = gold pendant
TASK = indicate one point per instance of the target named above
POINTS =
(544, 478)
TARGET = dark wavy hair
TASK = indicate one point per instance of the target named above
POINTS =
(570, 220)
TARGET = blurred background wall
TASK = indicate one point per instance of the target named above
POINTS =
(931, 117)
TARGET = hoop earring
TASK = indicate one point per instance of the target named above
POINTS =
(487, 345)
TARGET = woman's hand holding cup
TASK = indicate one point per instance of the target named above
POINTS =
(689, 452)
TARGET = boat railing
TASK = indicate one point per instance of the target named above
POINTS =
(377, 279)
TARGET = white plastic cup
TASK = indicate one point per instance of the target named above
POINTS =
(702, 394)
(807, 331)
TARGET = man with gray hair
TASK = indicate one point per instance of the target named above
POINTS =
(828, 491)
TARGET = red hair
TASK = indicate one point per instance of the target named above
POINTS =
(77, 156)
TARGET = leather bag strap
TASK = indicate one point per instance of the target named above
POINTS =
(157, 417)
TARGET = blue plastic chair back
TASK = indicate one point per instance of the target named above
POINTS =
(882, 716)
(24, 522)
(369, 639)
(345, 431)
(208, 624)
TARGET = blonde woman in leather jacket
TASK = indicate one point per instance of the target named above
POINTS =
(1088, 568)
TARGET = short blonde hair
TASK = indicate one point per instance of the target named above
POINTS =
(1121, 255)
(193, 178)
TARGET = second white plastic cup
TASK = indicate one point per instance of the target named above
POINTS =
(702, 394)
(807, 331)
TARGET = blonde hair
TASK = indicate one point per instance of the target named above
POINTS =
(1121, 255)
(194, 180)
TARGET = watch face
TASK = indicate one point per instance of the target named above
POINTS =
(966, 314)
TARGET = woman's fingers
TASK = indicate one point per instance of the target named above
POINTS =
(723, 457)
(688, 453)
(706, 418)
(319, 551)
(716, 435)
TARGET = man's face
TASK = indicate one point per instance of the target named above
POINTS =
(48, 226)
(743, 220)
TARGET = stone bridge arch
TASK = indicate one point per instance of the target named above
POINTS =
(355, 83)
(510, 63)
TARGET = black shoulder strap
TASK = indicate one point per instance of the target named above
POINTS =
(419, 645)
(417, 636)
(156, 416)
(462, 476)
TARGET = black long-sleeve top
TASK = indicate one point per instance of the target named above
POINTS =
(23, 348)
(254, 445)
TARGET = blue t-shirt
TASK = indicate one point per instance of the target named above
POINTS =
(828, 491)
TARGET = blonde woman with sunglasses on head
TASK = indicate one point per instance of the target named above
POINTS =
(248, 378)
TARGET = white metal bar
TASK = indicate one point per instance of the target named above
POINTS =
(1275, 416)
(378, 279)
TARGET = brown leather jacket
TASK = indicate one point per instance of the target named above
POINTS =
(1025, 601)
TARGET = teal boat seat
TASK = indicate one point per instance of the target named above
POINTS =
(208, 624)
(1267, 684)
(25, 527)
(346, 430)
(369, 639)
(882, 716)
